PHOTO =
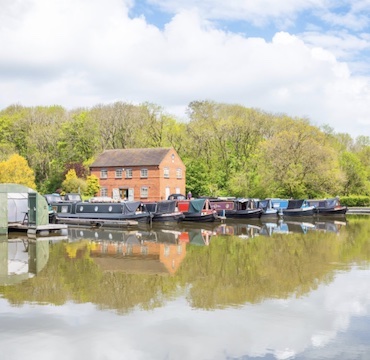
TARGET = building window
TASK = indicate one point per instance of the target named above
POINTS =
(103, 191)
(144, 192)
(118, 173)
(178, 173)
(128, 173)
(144, 173)
(166, 172)
(103, 174)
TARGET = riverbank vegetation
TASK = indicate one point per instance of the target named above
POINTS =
(227, 149)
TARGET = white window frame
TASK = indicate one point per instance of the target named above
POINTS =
(178, 173)
(103, 174)
(119, 173)
(103, 191)
(128, 173)
(166, 173)
(144, 192)
(143, 173)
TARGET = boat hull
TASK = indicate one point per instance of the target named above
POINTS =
(174, 217)
(340, 211)
(243, 214)
(299, 212)
(196, 217)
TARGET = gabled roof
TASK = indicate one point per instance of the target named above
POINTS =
(131, 157)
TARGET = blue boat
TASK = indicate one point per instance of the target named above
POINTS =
(298, 208)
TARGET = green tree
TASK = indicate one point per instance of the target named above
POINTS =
(296, 163)
(355, 175)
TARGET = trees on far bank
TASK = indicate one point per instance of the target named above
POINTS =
(228, 149)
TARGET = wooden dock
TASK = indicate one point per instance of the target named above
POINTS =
(97, 222)
(43, 230)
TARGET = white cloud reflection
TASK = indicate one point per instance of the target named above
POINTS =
(283, 328)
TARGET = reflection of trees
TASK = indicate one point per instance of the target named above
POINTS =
(230, 271)
(79, 279)
(233, 271)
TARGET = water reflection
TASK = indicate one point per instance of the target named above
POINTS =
(277, 290)
(149, 250)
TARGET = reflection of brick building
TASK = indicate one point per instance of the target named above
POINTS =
(147, 257)
(140, 174)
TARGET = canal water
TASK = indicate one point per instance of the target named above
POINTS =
(239, 290)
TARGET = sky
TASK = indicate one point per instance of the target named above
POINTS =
(304, 58)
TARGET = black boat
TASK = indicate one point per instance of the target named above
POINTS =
(241, 209)
(165, 211)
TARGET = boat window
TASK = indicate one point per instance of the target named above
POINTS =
(64, 209)
(96, 208)
(110, 208)
(81, 208)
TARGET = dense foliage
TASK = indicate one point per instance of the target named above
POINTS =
(228, 149)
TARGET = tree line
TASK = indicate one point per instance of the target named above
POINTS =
(228, 149)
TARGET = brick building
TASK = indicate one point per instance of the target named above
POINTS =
(140, 174)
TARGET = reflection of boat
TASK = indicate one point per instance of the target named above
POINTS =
(298, 208)
(302, 227)
(197, 210)
(286, 227)
(111, 214)
(165, 211)
(328, 207)
(329, 226)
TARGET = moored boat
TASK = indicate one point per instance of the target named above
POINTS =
(198, 210)
(328, 207)
(268, 209)
(83, 213)
(165, 211)
(243, 209)
(298, 208)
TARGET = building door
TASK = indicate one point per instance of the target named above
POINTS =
(131, 195)
(32, 206)
(167, 192)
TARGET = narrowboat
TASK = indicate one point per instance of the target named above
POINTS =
(197, 210)
(239, 209)
(328, 207)
(268, 209)
(298, 208)
(165, 211)
(83, 213)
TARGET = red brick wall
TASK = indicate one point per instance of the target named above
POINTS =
(155, 181)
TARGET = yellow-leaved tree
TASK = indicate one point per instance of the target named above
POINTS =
(15, 170)
(73, 184)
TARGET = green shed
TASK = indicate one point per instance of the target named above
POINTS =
(18, 204)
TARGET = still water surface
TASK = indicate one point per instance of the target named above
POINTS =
(291, 290)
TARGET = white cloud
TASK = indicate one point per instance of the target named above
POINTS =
(82, 53)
